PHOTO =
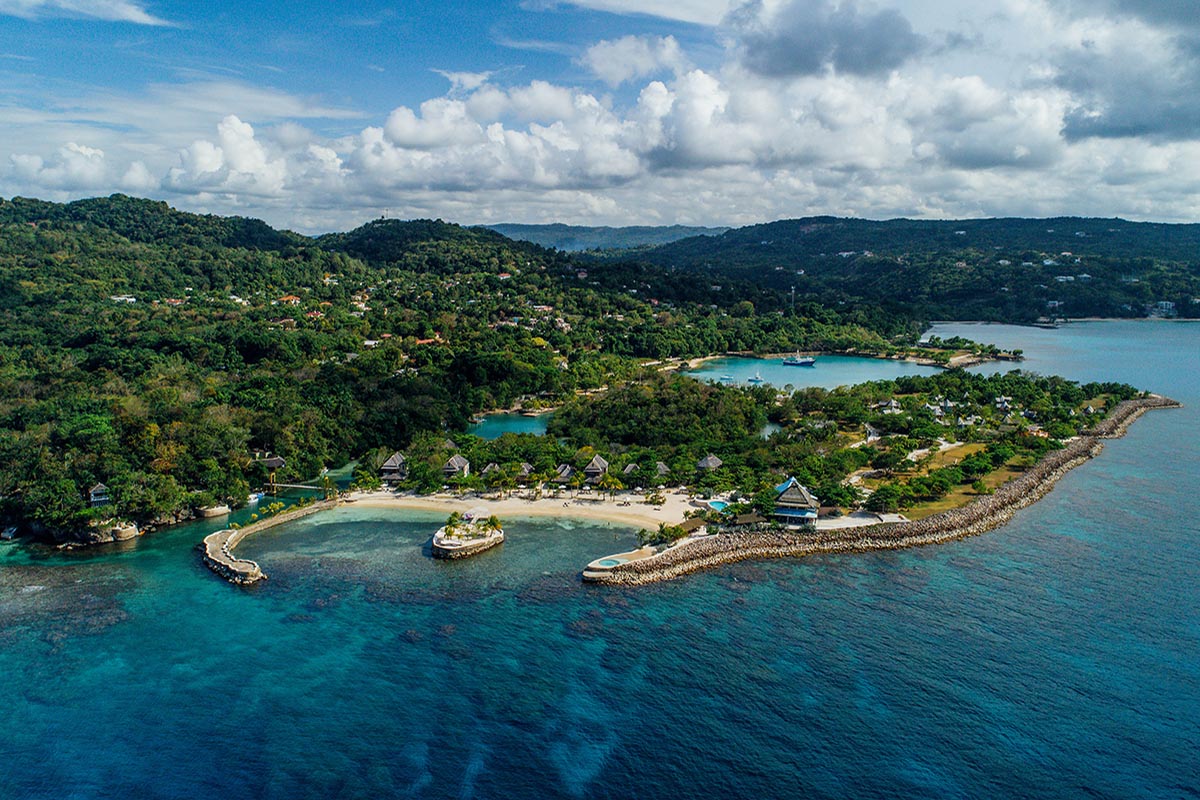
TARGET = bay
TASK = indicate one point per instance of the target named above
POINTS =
(1057, 657)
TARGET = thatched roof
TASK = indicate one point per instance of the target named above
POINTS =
(395, 462)
(709, 462)
(597, 464)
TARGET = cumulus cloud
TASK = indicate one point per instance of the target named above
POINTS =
(73, 166)
(619, 60)
(109, 10)
(1129, 79)
(806, 37)
(237, 163)
(797, 106)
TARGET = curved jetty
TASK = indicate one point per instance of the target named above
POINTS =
(460, 538)
(979, 516)
(218, 547)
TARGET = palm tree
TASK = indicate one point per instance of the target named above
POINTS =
(610, 483)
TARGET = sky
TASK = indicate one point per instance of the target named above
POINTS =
(319, 116)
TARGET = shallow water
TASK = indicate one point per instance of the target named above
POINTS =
(1057, 657)
(493, 426)
(828, 372)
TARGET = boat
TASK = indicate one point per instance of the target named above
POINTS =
(800, 361)
(9, 533)
(727, 378)
(255, 497)
(758, 378)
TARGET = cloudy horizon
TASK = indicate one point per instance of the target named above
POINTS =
(607, 112)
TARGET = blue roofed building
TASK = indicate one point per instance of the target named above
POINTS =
(795, 505)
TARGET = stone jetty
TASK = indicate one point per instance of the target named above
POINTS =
(217, 548)
(979, 516)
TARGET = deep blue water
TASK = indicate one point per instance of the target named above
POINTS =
(1057, 657)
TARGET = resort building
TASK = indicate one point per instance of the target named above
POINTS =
(709, 463)
(595, 469)
(630, 469)
(563, 474)
(525, 472)
(394, 470)
(490, 468)
(795, 505)
(98, 496)
(456, 466)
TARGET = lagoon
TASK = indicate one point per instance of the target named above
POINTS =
(493, 426)
(828, 372)
(1057, 657)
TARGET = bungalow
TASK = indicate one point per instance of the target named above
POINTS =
(563, 474)
(630, 469)
(891, 407)
(795, 505)
(395, 469)
(709, 463)
(491, 467)
(289, 300)
(595, 469)
(98, 496)
(272, 462)
(525, 472)
(661, 469)
(456, 466)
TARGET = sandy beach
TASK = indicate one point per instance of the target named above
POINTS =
(637, 514)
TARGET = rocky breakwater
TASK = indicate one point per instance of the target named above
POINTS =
(217, 548)
(979, 516)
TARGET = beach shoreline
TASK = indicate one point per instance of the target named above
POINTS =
(980, 515)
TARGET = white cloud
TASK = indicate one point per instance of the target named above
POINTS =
(629, 57)
(938, 134)
(699, 12)
(108, 10)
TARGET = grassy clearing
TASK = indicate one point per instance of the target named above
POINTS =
(961, 495)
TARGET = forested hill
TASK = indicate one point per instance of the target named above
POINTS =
(1001, 269)
(151, 222)
(573, 238)
(157, 352)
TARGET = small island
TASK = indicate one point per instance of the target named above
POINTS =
(467, 534)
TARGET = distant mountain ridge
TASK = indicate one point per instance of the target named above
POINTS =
(574, 238)
(823, 236)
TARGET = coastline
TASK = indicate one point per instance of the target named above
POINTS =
(981, 515)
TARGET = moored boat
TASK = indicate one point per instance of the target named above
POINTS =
(800, 361)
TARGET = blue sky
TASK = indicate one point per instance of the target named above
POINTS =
(319, 116)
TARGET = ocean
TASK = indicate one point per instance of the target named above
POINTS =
(1055, 657)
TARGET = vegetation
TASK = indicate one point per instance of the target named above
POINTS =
(1009, 270)
(166, 354)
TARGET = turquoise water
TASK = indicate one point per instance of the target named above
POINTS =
(829, 372)
(495, 425)
(1058, 657)
(718, 505)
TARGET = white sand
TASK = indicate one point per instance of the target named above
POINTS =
(638, 514)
